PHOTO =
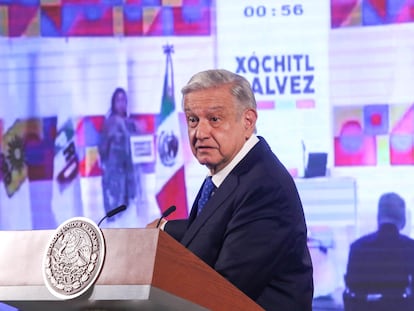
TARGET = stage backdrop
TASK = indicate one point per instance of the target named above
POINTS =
(329, 76)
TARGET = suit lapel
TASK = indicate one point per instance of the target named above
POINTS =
(226, 189)
(215, 202)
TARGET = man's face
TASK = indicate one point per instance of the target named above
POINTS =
(216, 129)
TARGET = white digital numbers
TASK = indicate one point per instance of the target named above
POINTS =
(284, 10)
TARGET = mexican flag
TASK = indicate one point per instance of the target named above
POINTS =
(169, 167)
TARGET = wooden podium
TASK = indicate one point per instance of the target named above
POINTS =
(144, 269)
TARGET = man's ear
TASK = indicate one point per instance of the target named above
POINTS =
(250, 117)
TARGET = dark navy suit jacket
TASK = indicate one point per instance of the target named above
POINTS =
(253, 232)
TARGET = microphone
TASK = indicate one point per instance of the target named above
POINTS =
(113, 212)
(304, 157)
(167, 212)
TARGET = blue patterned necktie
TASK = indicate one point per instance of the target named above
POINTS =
(206, 191)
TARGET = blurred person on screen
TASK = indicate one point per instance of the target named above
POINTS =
(382, 263)
(252, 228)
(120, 181)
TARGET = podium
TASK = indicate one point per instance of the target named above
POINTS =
(143, 269)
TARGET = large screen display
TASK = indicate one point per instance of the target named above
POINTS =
(332, 77)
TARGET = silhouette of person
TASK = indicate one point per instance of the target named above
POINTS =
(381, 264)
(119, 181)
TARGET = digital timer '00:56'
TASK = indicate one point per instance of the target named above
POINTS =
(283, 10)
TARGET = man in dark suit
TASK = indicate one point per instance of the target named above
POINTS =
(252, 228)
(381, 264)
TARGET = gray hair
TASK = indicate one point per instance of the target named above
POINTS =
(240, 87)
(391, 209)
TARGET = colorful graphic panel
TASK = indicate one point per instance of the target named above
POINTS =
(28, 152)
(402, 135)
(88, 132)
(349, 13)
(67, 18)
(66, 158)
(1, 151)
(374, 135)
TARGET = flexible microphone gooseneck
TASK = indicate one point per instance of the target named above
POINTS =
(113, 212)
(303, 157)
(167, 212)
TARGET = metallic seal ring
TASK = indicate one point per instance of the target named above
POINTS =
(74, 258)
